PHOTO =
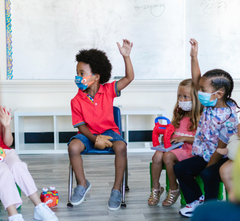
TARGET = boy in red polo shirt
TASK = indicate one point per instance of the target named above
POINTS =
(92, 114)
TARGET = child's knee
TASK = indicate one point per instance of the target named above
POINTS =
(75, 147)
(120, 148)
(157, 157)
(168, 158)
(18, 167)
(206, 175)
(225, 171)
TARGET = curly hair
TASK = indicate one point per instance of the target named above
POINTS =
(98, 62)
(196, 111)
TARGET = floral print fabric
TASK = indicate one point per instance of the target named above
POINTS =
(214, 124)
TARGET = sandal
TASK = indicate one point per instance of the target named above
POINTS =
(171, 197)
(154, 198)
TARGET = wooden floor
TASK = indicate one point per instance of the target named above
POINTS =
(50, 170)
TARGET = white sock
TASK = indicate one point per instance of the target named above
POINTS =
(10, 218)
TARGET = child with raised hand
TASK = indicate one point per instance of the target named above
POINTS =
(217, 123)
(13, 170)
(186, 115)
(92, 114)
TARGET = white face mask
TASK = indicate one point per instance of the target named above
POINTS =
(185, 105)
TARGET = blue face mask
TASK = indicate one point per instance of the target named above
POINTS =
(204, 98)
(81, 82)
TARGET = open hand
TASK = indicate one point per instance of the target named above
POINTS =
(126, 48)
(5, 116)
(194, 48)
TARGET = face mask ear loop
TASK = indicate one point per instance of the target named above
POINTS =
(84, 80)
(214, 92)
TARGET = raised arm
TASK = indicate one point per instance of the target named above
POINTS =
(125, 51)
(196, 73)
(5, 118)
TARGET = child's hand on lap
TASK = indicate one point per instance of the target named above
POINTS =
(5, 116)
(126, 48)
(177, 139)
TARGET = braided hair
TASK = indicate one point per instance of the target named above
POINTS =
(221, 79)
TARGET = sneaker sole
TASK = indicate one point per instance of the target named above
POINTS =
(188, 216)
(114, 209)
(79, 202)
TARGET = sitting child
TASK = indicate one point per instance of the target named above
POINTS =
(217, 124)
(92, 114)
(226, 168)
(13, 170)
(223, 210)
(186, 115)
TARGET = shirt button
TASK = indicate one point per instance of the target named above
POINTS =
(95, 103)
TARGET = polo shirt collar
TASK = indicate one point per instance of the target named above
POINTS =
(84, 95)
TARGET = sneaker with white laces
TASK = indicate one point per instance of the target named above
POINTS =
(114, 202)
(188, 210)
(44, 213)
(79, 194)
(16, 217)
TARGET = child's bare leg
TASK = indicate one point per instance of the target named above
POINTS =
(35, 199)
(157, 161)
(226, 175)
(74, 151)
(120, 150)
(12, 210)
(169, 160)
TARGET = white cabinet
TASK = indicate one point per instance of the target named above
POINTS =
(53, 115)
(56, 115)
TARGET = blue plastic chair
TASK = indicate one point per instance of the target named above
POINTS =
(118, 121)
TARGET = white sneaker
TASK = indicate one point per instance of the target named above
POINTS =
(188, 210)
(44, 213)
(17, 217)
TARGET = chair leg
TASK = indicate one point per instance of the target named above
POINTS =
(70, 184)
(220, 191)
(150, 171)
(126, 178)
(123, 205)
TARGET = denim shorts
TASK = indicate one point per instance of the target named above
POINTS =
(90, 145)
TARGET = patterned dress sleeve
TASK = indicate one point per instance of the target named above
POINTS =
(229, 128)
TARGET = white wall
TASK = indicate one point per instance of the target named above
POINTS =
(55, 93)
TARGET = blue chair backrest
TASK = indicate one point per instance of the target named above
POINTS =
(118, 121)
(117, 118)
